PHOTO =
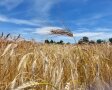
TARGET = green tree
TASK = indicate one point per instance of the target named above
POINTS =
(85, 39)
(110, 40)
(99, 41)
(80, 41)
(61, 41)
(51, 41)
(46, 41)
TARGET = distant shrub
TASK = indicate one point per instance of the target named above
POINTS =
(110, 40)
(99, 41)
(85, 39)
(92, 42)
(46, 41)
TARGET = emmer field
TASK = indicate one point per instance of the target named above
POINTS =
(32, 66)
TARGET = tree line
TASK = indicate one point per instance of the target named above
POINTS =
(99, 41)
(51, 42)
(83, 40)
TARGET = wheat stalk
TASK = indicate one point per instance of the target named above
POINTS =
(61, 32)
(32, 84)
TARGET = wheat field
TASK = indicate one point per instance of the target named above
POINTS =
(32, 66)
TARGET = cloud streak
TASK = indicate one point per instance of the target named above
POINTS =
(37, 10)
(10, 4)
(88, 34)
(18, 21)
(42, 7)
(93, 19)
(45, 30)
(94, 35)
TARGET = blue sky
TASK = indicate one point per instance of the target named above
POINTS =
(92, 18)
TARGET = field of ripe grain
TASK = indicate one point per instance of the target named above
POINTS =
(30, 66)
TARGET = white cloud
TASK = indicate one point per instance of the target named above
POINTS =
(10, 4)
(94, 35)
(89, 20)
(36, 9)
(104, 36)
(88, 34)
(43, 7)
(94, 29)
(18, 21)
(92, 19)
(45, 30)
(100, 29)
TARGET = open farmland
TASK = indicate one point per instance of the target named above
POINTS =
(31, 66)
